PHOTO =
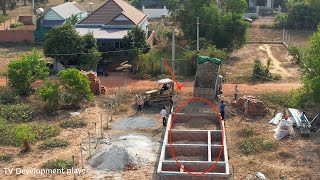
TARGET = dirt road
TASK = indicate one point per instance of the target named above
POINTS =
(114, 81)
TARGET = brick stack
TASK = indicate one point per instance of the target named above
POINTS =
(255, 107)
(95, 84)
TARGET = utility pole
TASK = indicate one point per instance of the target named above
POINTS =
(198, 34)
(133, 42)
(32, 7)
(173, 49)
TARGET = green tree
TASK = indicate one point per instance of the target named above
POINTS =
(136, 39)
(311, 63)
(236, 6)
(3, 4)
(74, 19)
(75, 87)
(224, 29)
(91, 55)
(64, 44)
(23, 72)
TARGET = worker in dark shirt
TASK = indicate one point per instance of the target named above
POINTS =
(221, 107)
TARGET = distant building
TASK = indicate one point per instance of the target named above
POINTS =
(111, 22)
(57, 16)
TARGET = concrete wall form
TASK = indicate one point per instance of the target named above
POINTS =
(195, 150)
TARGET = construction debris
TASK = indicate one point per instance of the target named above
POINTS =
(276, 119)
(255, 107)
(95, 84)
(283, 129)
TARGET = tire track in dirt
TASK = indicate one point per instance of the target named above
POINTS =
(276, 64)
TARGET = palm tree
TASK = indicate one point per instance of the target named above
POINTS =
(74, 19)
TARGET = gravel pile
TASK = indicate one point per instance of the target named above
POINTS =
(206, 75)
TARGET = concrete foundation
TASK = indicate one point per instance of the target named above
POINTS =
(196, 150)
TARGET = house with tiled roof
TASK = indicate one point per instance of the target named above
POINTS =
(111, 22)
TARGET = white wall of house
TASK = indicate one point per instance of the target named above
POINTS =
(51, 15)
(156, 13)
(144, 24)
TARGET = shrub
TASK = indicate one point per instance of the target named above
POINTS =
(72, 123)
(17, 113)
(50, 93)
(8, 97)
(54, 143)
(5, 157)
(44, 131)
(16, 24)
(23, 72)
(57, 164)
(253, 145)
(260, 72)
(246, 132)
(75, 87)
(24, 136)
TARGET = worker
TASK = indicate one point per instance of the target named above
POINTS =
(222, 106)
(164, 88)
(164, 116)
(170, 103)
(139, 103)
(246, 106)
(236, 91)
(303, 117)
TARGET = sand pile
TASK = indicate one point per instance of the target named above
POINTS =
(125, 153)
(206, 75)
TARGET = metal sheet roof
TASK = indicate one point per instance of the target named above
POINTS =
(100, 33)
(66, 10)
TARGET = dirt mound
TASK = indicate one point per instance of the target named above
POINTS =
(128, 152)
(196, 124)
(206, 75)
(114, 158)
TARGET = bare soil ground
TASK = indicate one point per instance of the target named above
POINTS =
(257, 32)
(241, 62)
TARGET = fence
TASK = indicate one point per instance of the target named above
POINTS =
(16, 36)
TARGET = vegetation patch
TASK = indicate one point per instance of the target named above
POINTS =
(16, 24)
(26, 133)
(246, 132)
(5, 157)
(281, 99)
(73, 123)
(17, 113)
(253, 145)
(57, 164)
(8, 97)
(54, 143)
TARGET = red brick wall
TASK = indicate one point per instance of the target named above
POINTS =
(16, 36)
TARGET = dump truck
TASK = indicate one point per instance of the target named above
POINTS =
(208, 81)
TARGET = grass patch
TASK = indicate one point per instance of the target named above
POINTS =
(253, 145)
(73, 123)
(17, 113)
(274, 99)
(121, 109)
(54, 143)
(57, 164)
(16, 134)
(5, 157)
(246, 132)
